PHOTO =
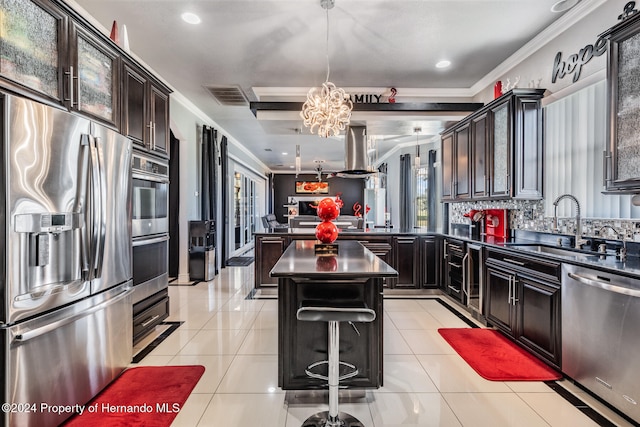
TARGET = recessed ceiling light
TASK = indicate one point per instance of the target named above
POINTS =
(443, 64)
(563, 5)
(284, 153)
(191, 18)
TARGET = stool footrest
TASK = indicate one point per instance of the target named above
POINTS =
(348, 375)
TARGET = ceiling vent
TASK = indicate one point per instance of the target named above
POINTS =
(228, 95)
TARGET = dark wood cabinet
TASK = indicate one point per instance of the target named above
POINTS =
(94, 77)
(621, 159)
(500, 150)
(455, 164)
(448, 150)
(34, 45)
(145, 112)
(301, 343)
(539, 317)
(414, 257)
(454, 269)
(523, 301)
(428, 263)
(268, 250)
(461, 155)
(54, 55)
(134, 91)
(496, 152)
(51, 55)
(406, 261)
(500, 309)
(479, 148)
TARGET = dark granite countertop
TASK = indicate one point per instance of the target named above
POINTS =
(527, 243)
(353, 261)
(346, 231)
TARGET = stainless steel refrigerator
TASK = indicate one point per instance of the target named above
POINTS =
(65, 278)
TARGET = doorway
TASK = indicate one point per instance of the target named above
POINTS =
(174, 204)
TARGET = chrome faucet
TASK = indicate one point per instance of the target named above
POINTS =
(604, 227)
(579, 241)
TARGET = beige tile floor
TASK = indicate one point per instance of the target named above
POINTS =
(425, 382)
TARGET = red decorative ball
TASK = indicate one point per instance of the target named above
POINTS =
(328, 209)
(326, 232)
(326, 263)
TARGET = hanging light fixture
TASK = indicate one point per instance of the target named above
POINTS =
(417, 159)
(327, 109)
(297, 160)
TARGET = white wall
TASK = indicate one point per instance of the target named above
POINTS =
(186, 124)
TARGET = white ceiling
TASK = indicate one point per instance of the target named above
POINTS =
(278, 47)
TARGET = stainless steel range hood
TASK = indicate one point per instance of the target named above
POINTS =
(355, 150)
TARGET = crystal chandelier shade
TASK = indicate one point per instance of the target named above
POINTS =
(327, 109)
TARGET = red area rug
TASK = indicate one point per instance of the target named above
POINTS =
(495, 358)
(149, 396)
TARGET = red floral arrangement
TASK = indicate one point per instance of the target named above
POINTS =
(328, 210)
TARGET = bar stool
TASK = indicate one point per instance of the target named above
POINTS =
(339, 311)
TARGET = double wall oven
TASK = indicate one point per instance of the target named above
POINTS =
(150, 231)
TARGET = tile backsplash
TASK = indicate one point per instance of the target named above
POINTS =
(529, 215)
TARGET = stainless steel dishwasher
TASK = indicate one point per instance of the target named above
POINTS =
(600, 340)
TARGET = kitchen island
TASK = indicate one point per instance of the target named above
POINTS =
(354, 274)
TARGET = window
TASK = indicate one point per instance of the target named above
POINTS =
(421, 197)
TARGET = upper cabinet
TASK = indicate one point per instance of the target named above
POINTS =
(145, 110)
(496, 152)
(33, 46)
(52, 54)
(622, 159)
(92, 76)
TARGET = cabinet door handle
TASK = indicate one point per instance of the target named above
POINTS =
(70, 79)
(513, 261)
(509, 296)
(606, 170)
(149, 321)
(150, 126)
(465, 282)
(453, 264)
(514, 292)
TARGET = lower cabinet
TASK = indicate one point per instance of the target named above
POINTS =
(523, 301)
(268, 250)
(148, 313)
(406, 256)
(413, 256)
(428, 263)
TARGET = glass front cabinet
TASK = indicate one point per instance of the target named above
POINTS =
(33, 43)
(622, 158)
(47, 55)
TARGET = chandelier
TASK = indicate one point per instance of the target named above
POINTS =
(327, 109)
(417, 159)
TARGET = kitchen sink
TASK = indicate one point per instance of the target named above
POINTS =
(555, 250)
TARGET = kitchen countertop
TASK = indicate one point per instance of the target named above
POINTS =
(525, 243)
(353, 261)
(629, 267)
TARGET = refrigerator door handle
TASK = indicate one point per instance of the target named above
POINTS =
(83, 204)
(97, 240)
(34, 333)
(101, 230)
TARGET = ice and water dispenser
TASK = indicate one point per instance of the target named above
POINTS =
(202, 255)
(50, 251)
